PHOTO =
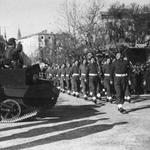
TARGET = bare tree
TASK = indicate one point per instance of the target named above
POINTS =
(83, 21)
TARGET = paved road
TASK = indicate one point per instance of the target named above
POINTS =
(75, 124)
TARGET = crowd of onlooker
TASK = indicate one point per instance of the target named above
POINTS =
(124, 31)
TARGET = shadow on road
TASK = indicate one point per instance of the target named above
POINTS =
(140, 98)
(138, 108)
(60, 114)
(70, 135)
(68, 112)
(45, 130)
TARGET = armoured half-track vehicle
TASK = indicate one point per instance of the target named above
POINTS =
(23, 94)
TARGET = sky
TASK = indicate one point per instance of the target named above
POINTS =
(33, 16)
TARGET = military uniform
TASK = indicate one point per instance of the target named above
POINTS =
(100, 86)
(13, 56)
(147, 79)
(75, 79)
(49, 73)
(120, 68)
(84, 78)
(62, 79)
(57, 78)
(93, 79)
(68, 79)
(108, 80)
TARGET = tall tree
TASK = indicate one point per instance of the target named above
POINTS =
(84, 22)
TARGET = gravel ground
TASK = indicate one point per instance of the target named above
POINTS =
(76, 124)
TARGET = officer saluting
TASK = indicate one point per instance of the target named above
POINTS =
(120, 69)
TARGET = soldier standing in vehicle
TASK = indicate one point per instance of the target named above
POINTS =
(108, 78)
(75, 78)
(84, 77)
(13, 57)
(120, 69)
(93, 78)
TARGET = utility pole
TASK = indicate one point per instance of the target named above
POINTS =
(19, 34)
(5, 35)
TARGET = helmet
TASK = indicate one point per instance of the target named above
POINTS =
(12, 41)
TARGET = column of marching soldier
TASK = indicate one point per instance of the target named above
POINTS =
(86, 78)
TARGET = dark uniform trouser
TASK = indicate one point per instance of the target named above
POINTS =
(93, 81)
(68, 83)
(107, 85)
(84, 84)
(120, 87)
(127, 91)
(99, 84)
(56, 82)
(75, 83)
(62, 82)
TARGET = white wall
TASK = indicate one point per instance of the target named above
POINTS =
(30, 46)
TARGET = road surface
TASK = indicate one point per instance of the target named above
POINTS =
(76, 124)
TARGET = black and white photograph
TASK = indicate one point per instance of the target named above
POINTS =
(74, 75)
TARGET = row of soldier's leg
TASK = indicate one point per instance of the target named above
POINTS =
(84, 86)
(72, 85)
(100, 87)
(56, 82)
(124, 88)
(62, 84)
(107, 85)
(93, 85)
(75, 82)
(127, 93)
(118, 89)
(68, 85)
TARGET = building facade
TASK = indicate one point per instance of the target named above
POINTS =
(33, 44)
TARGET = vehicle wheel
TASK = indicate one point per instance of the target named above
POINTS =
(10, 109)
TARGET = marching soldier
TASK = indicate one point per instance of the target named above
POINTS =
(57, 76)
(93, 78)
(50, 72)
(120, 69)
(108, 78)
(100, 88)
(84, 77)
(71, 78)
(75, 78)
(62, 77)
(147, 79)
(127, 91)
(68, 78)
